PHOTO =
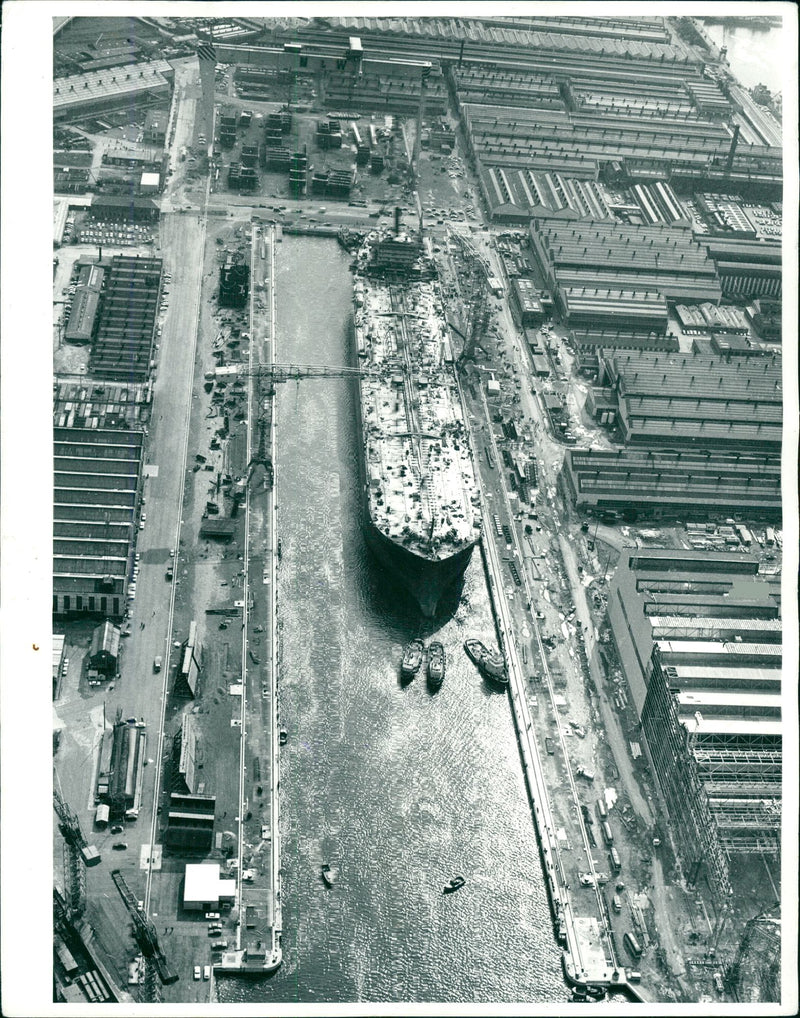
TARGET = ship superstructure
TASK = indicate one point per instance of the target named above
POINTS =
(421, 495)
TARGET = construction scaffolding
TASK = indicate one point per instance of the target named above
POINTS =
(692, 822)
(742, 775)
(755, 974)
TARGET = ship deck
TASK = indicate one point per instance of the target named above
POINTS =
(421, 485)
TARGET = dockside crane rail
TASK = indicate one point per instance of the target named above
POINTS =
(147, 939)
(78, 854)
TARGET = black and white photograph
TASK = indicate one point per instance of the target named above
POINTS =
(399, 522)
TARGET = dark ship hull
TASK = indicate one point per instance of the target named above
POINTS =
(426, 580)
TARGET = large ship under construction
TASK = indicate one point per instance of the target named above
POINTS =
(421, 498)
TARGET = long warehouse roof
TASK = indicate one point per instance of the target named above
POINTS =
(95, 86)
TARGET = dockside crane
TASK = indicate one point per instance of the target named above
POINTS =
(78, 854)
(262, 456)
(155, 964)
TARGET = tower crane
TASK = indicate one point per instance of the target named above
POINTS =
(78, 854)
(155, 964)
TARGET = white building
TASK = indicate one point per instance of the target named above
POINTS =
(204, 889)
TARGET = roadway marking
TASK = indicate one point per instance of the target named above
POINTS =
(148, 859)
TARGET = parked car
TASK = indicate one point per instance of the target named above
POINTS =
(197, 972)
(120, 846)
(206, 972)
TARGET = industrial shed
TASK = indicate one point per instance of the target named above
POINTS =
(220, 528)
(675, 483)
(96, 483)
(190, 822)
(104, 651)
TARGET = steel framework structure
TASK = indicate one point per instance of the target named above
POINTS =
(677, 773)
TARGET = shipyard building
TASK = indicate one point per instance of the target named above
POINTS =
(699, 399)
(95, 91)
(674, 484)
(612, 282)
(702, 435)
(126, 327)
(698, 636)
(98, 454)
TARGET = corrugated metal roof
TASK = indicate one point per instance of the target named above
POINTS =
(105, 639)
(732, 673)
(734, 726)
(698, 697)
(698, 647)
(696, 622)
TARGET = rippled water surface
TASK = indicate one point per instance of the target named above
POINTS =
(755, 57)
(399, 788)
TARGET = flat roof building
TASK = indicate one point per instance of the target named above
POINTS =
(155, 127)
(204, 889)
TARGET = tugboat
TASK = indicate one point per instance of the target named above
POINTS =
(454, 884)
(412, 659)
(490, 663)
(436, 664)
(330, 874)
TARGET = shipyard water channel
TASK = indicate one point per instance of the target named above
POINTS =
(397, 788)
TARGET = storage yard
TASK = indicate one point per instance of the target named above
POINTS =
(604, 220)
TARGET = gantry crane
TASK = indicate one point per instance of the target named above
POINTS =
(60, 912)
(78, 854)
(263, 422)
(268, 374)
(155, 964)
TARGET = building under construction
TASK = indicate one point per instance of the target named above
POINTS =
(698, 635)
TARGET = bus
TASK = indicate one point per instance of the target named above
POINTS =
(608, 837)
(614, 860)
(632, 945)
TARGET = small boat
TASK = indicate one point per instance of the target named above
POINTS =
(412, 659)
(330, 874)
(597, 992)
(454, 884)
(490, 663)
(436, 664)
